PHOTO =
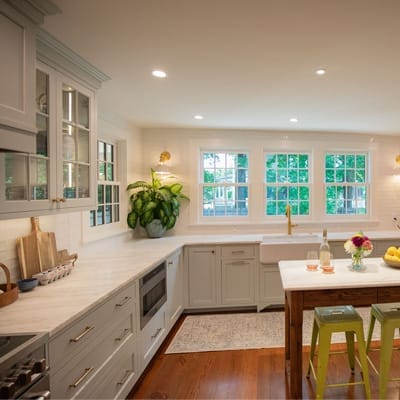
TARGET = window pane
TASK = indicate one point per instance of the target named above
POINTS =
(100, 215)
(108, 193)
(100, 194)
(101, 151)
(109, 152)
(108, 214)
(92, 217)
(283, 169)
(110, 172)
(102, 171)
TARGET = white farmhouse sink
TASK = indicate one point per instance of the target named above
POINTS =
(295, 238)
(275, 248)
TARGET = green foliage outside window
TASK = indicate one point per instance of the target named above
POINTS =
(287, 180)
(345, 182)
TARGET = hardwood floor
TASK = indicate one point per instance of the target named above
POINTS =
(244, 374)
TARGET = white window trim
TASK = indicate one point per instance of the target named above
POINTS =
(220, 220)
(92, 233)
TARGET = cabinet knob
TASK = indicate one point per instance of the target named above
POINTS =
(59, 200)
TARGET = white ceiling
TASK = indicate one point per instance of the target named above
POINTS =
(242, 63)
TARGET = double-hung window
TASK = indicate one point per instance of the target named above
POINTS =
(224, 184)
(108, 187)
(346, 183)
(287, 181)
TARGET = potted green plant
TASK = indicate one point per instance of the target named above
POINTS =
(154, 205)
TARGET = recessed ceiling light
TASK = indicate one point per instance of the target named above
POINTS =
(294, 120)
(198, 117)
(158, 73)
(320, 71)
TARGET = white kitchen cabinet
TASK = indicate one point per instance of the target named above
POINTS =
(203, 277)
(221, 276)
(151, 336)
(237, 282)
(83, 353)
(174, 288)
(271, 289)
(17, 80)
(60, 175)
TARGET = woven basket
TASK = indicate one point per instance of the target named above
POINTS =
(10, 289)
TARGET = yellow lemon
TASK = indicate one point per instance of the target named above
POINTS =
(391, 251)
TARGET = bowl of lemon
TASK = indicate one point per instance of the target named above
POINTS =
(392, 257)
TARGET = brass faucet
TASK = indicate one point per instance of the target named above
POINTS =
(288, 213)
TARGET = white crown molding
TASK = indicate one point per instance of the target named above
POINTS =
(54, 53)
(35, 10)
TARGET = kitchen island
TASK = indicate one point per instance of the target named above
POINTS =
(305, 290)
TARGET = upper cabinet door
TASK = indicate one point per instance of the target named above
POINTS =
(17, 81)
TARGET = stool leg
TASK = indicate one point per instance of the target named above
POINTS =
(313, 344)
(323, 357)
(387, 333)
(370, 330)
(350, 349)
(362, 354)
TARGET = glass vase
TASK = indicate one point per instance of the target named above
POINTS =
(357, 263)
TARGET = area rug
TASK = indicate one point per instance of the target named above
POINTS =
(217, 332)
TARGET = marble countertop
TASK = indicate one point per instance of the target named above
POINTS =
(103, 268)
(295, 276)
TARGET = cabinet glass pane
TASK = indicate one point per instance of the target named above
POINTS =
(83, 179)
(83, 110)
(69, 180)
(100, 194)
(69, 142)
(39, 178)
(83, 145)
(42, 135)
(116, 194)
(16, 176)
(69, 103)
(42, 92)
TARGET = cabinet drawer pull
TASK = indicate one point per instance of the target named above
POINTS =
(156, 334)
(124, 333)
(125, 377)
(84, 333)
(82, 378)
(239, 262)
(124, 301)
(238, 251)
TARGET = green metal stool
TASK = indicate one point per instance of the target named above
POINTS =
(388, 314)
(328, 320)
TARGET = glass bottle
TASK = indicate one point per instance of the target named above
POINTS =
(324, 251)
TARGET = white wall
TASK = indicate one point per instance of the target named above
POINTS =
(184, 144)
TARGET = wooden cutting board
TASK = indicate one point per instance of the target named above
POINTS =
(37, 251)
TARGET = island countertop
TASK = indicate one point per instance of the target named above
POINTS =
(295, 276)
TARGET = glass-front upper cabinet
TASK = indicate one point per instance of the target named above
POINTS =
(77, 135)
(26, 175)
(60, 175)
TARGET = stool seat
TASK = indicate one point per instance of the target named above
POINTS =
(388, 314)
(328, 320)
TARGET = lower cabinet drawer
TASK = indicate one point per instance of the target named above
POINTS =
(152, 336)
(116, 378)
(67, 381)
(70, 343)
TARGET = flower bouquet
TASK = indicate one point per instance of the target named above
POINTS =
(359, 246)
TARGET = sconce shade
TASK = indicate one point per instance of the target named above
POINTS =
(162, 168)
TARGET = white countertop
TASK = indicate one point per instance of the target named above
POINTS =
(295, 276)
(108, 265)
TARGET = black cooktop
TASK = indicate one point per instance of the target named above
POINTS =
(9, 343)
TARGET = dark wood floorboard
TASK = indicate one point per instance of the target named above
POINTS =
(244, 374)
